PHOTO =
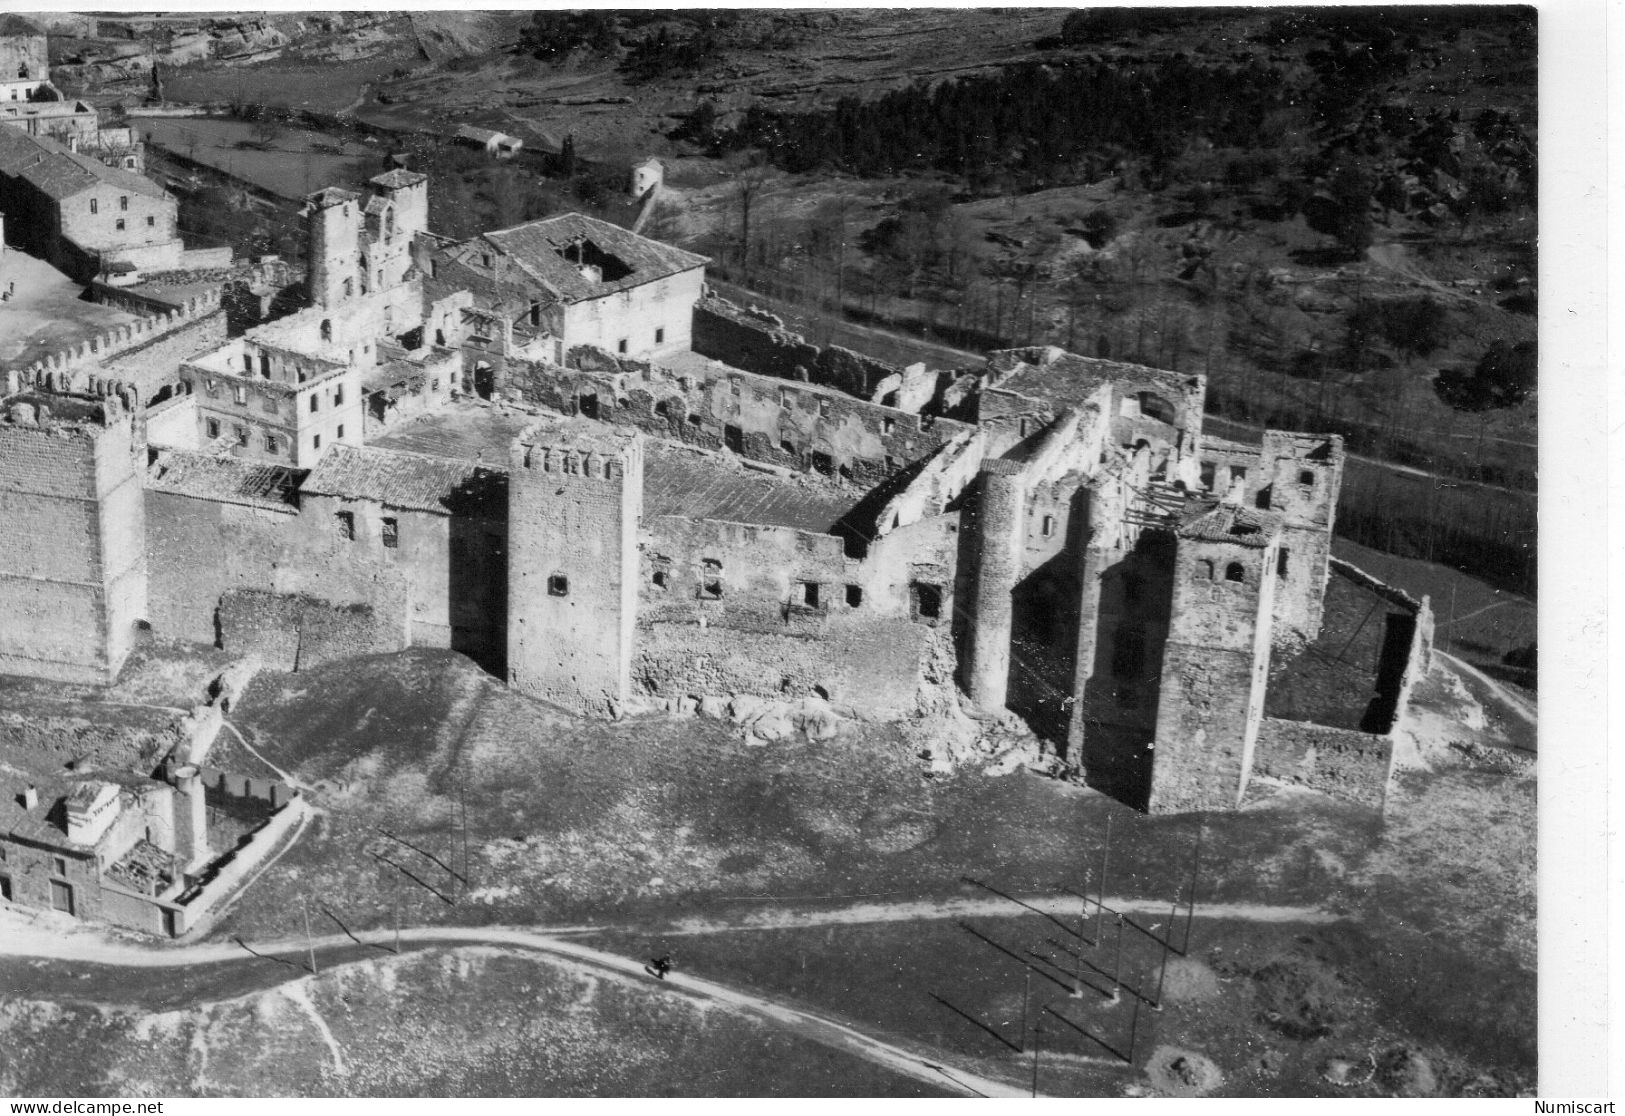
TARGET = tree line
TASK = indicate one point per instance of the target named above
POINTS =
(1031, 125)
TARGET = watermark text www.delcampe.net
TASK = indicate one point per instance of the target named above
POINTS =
(88, 1108)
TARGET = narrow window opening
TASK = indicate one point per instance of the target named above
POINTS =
(660, 335)
(1204, 569)
(344, 522)
(927, 600)
(1281, 561)
(809, 594)
(711, 579)
(854, 596)
(1049, 526)
(391, 533)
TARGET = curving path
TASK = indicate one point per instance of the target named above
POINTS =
(1519, 705)
(48, 942)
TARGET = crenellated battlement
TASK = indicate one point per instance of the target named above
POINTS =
(73, 369)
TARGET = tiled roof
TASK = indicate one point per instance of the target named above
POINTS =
(1231, 524)
(230, 480)
(59, 173)
(536, 247)
(398, 178)
(413, 481)
(697, 485)
(46, 823)
(333, 195)
(479, 135)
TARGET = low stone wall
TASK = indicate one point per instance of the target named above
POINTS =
(1349, 764)
(233, 870)
(134, 911)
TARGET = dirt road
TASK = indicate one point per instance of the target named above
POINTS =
(45, 940)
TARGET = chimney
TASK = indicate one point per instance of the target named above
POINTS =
(191, 818)
(30, 798)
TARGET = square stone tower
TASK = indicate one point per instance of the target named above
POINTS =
(333, 234)
(575, 495)
(1216, 661)
(1303, 474)
(73, 571)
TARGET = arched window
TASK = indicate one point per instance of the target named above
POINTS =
(327, 329)
(1235, 572)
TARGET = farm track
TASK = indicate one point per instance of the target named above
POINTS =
(926, 1067)
(1520, 706)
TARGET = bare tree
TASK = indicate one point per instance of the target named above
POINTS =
(750, 178)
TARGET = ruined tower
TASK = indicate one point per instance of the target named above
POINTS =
(408, 192)
(73, 573)
(1303, 474)
(574, 498)
(333, 233)
(1216, 661)
(1001, 522)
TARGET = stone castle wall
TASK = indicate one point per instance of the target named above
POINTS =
(717, 408)
(759, 342)
(295, 632)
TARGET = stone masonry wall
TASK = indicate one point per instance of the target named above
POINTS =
(152, 365)
(797, 427)
(297, 633)
(759, 342)
(1349, 764)
(873, 667)
(200, 550)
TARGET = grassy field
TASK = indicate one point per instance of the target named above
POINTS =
(569, 820)
(471, 1022)
(291, 163)
(642, 825)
